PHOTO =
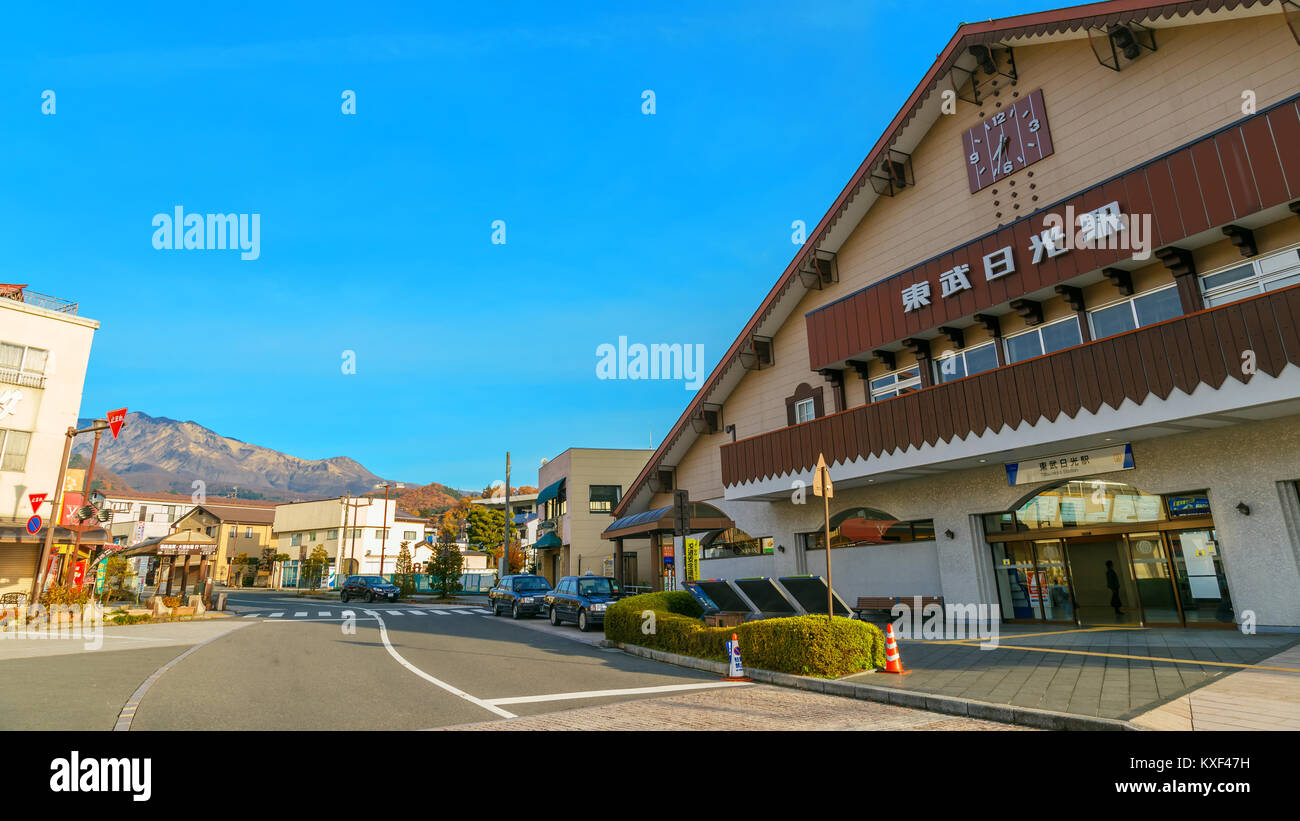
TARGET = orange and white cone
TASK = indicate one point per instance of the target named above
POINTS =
(736, 670)
(893, 661)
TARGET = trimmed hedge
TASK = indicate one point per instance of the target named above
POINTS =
(803, 645)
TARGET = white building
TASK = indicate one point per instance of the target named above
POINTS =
(358, 535)
(44, 351)
(138, 515)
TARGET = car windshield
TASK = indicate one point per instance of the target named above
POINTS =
(371, 580)
(532, 584)
(596, 587)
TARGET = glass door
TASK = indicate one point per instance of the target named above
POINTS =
(1013, 566)
(1152, 578)
(1050, 583)
(1198, 574)
(1102, 580)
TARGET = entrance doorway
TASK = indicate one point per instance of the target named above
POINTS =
(1104, 553)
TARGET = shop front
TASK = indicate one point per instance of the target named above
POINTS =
(1093, 552)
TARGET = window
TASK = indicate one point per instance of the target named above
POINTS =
(604, 497)
(894, 384)
(1267, 273)
(171, 513)
(1146, 309)
(295, 540)
(333, 534)
(13, 449)
(1043, 340)
(966, 363)
(409, 535)
(380, 533)
(864, 526)
(804, 411)
(248, 533)
(723, 544)
(233, 532)
(20, 365)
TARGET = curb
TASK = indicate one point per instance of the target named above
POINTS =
(949, 705)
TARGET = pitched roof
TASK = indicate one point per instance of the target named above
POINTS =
(857, 196)
(241, 515)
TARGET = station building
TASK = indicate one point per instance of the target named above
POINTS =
(1047, 338)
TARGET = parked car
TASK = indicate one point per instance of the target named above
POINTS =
(369, 588)
(582, 599)
(521, 595)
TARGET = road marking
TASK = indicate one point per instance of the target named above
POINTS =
(301, 614)
(127, 712)
(482, 610)
(418, 612)
(395, 612)
(630, 691)
(275, 615)
(325, 613)
(383, 634)
(438, 612)
(467, 612)
(251, 615)
(370, 613)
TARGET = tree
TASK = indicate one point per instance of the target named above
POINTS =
(404, 575)
(314, 566)
(485, 528)
(270, 559)
(445, 568)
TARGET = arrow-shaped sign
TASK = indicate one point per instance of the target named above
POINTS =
(37, 499)
(822, 479)
(115, 420)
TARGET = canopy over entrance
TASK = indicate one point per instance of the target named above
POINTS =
(184, 543)
(704, 516)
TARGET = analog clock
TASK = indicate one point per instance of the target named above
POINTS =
(1011, 139)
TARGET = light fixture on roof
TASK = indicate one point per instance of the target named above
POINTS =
(1125, 40)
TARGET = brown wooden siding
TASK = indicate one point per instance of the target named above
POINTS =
(1183, 353)
(1221, 178)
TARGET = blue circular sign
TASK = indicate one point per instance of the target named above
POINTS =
(33, 524)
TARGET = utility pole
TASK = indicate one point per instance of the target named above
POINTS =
(85, 500)
(38, 583)
(505, 552)
(383, 546)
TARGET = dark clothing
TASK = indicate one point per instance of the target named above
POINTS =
(1112, 581)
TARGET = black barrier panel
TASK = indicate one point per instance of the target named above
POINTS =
(765, 595)
(810, 592)
(707, 603)
(724, 595)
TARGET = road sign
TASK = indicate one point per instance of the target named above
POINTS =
(681, 512)
(36, 500)
(822, 485)
(115, 420)
(34, 525)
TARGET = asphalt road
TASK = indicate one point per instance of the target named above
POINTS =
(280, 664)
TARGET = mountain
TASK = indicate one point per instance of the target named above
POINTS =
(163, 455)
(426, 500)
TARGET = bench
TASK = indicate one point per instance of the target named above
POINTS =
(885, 604)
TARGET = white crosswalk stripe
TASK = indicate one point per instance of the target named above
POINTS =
(324, 613)
(395, 612)
(251, 615)
(466, 612)
(301, 614)
(331, 614)
(438, 612)
(418, 612)
(275, 615)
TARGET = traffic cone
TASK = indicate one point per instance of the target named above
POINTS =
(893, 661)
(737, 670)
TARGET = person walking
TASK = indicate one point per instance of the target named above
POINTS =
(1112, 582)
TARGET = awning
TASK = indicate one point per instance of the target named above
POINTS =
(549, 540)
(704, 516)
(550, 492)
(183, 543)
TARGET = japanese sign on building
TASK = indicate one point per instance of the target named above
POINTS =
(1067, 465)
(1088, 230)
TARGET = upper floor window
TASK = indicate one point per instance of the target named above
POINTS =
(409, 535)
(1267, 273)
(867, 526)
(295, 540)
(804, 411)
(1044, 339)
(966, 362)
(21, 365)
(13, 449)
(893, 384)
(1144, 309)
(604, 498)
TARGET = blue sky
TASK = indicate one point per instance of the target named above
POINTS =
(376, 228)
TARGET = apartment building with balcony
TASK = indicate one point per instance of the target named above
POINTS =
(579, 490)
(1048, 332)
(44, 351)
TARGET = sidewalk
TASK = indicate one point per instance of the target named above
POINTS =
(1245, 700)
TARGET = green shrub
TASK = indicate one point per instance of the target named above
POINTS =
(804, 645)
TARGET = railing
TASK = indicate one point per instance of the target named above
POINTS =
(49, 303)
(1206, 347)
(22, 380)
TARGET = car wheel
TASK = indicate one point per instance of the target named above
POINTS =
(496, 608)
(514, 612)
(343, 597)
(583, 624)
(555, 617)
(370, 597)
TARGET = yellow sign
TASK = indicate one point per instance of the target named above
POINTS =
(822, 485)
(692, 551)
(74, 480)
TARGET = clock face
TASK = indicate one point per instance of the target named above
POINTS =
(1011, 139)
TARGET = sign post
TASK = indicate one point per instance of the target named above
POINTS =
(681, 524)
(823, 487)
